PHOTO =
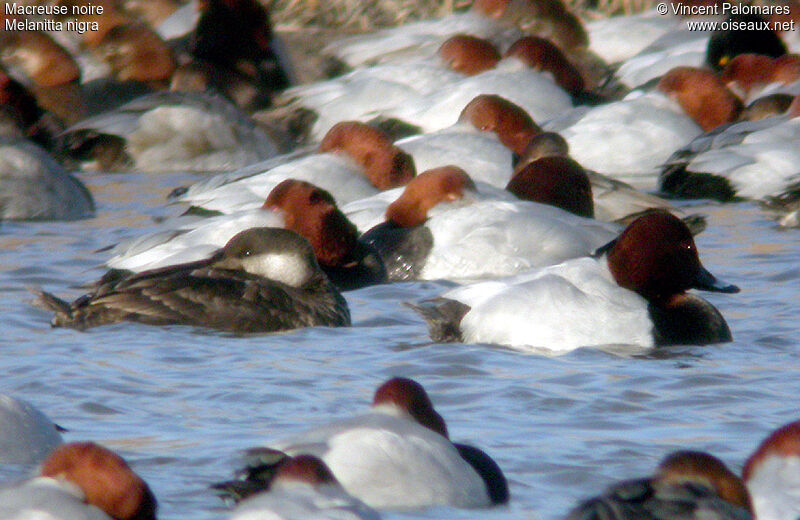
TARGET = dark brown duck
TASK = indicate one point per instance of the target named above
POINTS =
(263, 280)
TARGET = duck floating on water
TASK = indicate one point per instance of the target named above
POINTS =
(263, 280)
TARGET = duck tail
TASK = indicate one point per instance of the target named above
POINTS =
(49, 302)
(443, 317)
(261, 465)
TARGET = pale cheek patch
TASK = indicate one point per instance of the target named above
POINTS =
(286, 268)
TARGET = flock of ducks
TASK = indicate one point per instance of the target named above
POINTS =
(396, 456)
(509, 148)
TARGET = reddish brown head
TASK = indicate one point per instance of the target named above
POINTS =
(409, 396)
(385, 165)
(547, 18)
(44, 61)
(305, 468)
(312, 213)
(469, 55)
(491, 113)
(136, 53)
(783, 442)
(684, 467)
(111, 17)
(540, 54)
(702, 95)
(787, 69)
(490, 8)
(555, 181)
(428, 189)
(747, 72)
(656, 257)
(105, 478)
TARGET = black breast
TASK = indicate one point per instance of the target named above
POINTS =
(688, 320)
(403, 250)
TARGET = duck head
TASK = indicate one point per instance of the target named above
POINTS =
(656, 257)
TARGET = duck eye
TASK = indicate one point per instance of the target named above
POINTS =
(246, 252)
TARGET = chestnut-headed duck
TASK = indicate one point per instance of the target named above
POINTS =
(772, 476)
(304, 487)
(547, 19)
(27, 436)
(556, 180)
(631, 138)
(106, 19)
(437, 229)
(541, 54)
(396, 456)
(698, 47)
(514, 78)
(263, 280)
(468, 54)
(633, 292)
(368, 92)
(409, 41)
(134, 52)
(686, 484)
(429, 97)
(51, 71)
(500, 21)
(751, 76)
(743, 34)
(489, 131)
(613, 200)
(702, 95)
(295, 205)
(72, 84)
(368, 212)
(748, 159)
(119, 46)
(35, 186)
(353, 161)
(81, 481)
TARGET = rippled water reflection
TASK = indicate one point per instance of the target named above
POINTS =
(180, 402)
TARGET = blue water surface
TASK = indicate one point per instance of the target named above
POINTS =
(180, 403)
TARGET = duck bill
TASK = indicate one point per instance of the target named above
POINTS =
(706, 281)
